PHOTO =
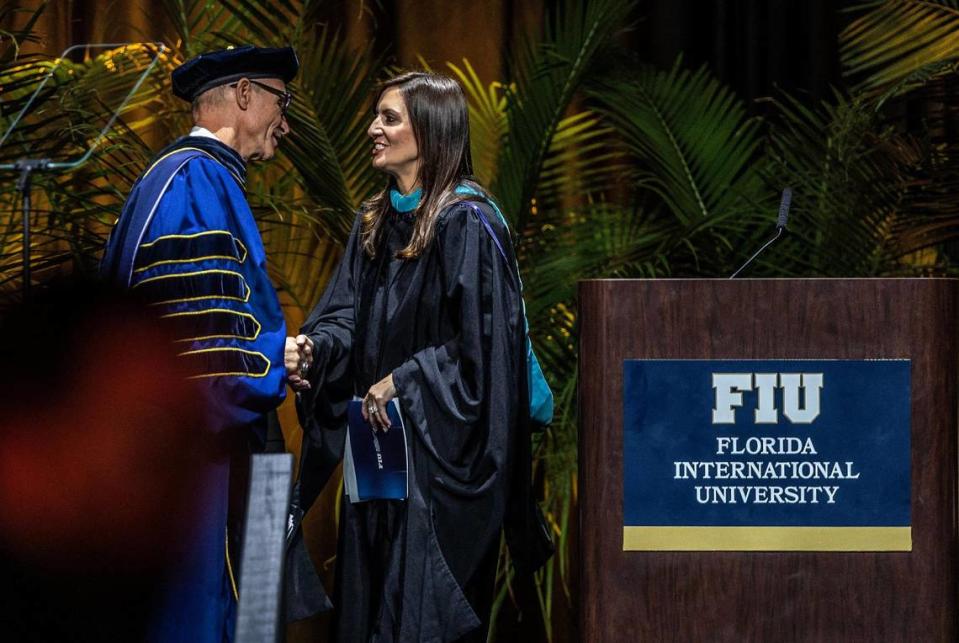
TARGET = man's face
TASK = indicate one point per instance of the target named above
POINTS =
(264, 122)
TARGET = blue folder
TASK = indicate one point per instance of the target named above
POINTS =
(375, 462)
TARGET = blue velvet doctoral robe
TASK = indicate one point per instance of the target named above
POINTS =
(187, 243)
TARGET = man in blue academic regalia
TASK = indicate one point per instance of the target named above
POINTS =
(187, 243)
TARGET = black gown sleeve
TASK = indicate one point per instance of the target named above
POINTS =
(322, 408)
(330, 325)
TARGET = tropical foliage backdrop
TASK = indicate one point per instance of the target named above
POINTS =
(605, 165)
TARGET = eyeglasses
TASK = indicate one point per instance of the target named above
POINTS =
(284, 99)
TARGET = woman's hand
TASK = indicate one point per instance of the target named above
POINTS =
(375, 401)
(298, 357)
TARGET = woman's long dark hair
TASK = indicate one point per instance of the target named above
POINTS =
(439, 117)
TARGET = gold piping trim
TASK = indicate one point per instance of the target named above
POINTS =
(194, 235)
(229, 565)
(243, 253)
(167, 262)
(225, 349)
(174, 275)
(244, 300)
(207, 311)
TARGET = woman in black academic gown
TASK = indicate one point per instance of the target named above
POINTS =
(425, 307)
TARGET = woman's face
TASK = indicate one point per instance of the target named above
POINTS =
(394, 144)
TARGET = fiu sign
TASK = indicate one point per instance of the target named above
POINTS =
(764, 455)
(730, 387)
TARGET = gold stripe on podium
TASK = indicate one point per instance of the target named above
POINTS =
(767, 538)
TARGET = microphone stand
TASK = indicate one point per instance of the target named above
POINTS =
(27, 166)
(781, 220)
(779, 232)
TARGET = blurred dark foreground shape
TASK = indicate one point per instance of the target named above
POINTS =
(101, 448)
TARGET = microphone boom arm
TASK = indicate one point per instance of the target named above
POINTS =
(779, 232)
(781, 220)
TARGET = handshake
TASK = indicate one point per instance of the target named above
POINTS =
(298, 358)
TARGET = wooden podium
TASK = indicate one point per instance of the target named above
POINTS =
(770, 596)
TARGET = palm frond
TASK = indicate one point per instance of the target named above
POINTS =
(488, 121)
(931, 161)
(197, 25)
(583, 160)
(12, 40)
(547, 75)
(579, 159)
(328, 142)
(74, 106)
(848, 188)
(72, 211)
(268, 24)
(694, 148)
(897, 43)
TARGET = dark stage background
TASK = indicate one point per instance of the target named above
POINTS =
(754, 46)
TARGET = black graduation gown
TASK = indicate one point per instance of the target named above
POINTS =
(449, 327)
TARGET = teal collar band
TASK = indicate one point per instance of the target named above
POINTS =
(405, 202)
(409, 202)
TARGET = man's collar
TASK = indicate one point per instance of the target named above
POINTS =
(203, 139)
(204, 132)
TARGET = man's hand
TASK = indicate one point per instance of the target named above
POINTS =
(298, 358)
(375, 401)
